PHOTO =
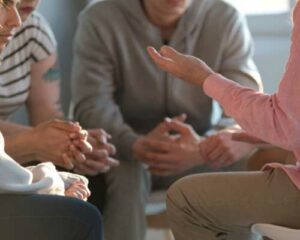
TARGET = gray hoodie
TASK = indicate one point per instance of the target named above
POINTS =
(116, 86)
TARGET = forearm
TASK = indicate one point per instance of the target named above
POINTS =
(9, 128)
(20, 146)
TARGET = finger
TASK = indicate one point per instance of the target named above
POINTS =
(216, 153)
(209, 144)
(98, 155)
(77, 194)
(111, 149)
(181, 118)
(84, 146)
(100, 135)
(180, 127)
(100, 167)
(85, 170)
(81, 135)
(245, 137)
(65, 125)
(170, 53)
(113, 162)
(162, 62)
(81, 188)
(157, 145)
(67, 161)
(78, 156)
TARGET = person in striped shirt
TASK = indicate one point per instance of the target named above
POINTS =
(29, 74)
(33, 216)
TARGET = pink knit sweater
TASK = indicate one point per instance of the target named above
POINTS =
(272, 118)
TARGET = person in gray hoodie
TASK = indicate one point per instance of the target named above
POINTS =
(116, 86)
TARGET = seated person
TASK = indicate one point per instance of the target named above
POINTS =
(115, 86)
(30, 75)
(33, 216)
(226, 205)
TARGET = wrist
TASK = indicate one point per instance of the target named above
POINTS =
(21, 146)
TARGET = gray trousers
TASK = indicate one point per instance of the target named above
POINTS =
(128, 187)
(44, 217)
(223, 206)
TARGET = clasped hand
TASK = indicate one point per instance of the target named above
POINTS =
(166, 153)
(67, 145)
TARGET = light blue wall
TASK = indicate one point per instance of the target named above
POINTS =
(62, 16)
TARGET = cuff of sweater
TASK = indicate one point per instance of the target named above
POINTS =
(124, 146)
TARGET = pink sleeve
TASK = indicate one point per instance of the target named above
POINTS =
(273, 118)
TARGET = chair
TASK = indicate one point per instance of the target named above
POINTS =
(275, 232)
(156, 215)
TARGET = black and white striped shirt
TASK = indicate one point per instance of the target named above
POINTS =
(32, 42)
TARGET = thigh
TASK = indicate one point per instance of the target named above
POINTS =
(37, 217)
(237, 200)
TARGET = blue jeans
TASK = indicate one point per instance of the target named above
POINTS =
(45, 217)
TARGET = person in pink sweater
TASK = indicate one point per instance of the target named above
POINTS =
(226, 205)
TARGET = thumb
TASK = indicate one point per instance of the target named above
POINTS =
(181, 118)
(169, 52)
(179, 127)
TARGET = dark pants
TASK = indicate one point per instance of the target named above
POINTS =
(45, 217)
(97, 186)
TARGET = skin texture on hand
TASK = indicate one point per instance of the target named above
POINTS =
(78, 190)
(220, 150)
(166, 153)
(98, 160)
(51, 142)
(185, 67)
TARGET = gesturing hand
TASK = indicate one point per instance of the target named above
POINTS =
(185, 67)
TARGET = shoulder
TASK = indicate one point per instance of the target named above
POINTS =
(37, 27)
(224, 13)
(104, 11)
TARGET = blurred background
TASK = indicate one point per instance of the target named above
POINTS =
(269, 22)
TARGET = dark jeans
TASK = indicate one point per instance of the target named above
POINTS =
(45, 217)
(97, 186)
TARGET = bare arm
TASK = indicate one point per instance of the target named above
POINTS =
(43, 102)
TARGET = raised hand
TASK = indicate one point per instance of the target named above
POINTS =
(185, 67)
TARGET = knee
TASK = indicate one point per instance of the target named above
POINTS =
(91, 216)
(177, 195)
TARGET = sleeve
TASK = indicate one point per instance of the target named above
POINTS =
(93, 87)
(237, 60)
(43, 43)
(272, 118)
